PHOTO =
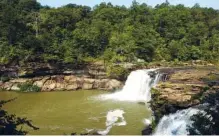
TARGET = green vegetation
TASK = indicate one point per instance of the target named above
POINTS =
(115, 34)
(117, 72)
(4, 79)
(28, 87)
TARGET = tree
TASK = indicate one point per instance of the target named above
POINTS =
(9, 123)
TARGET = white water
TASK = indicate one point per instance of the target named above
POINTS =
(113, 118)
(137, 87)
(176, 124)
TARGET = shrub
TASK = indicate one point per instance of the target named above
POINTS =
(28, 87)
(2, 89)
(141, 64)
(117, 72)
(4, 79)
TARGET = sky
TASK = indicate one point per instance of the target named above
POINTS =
(203, 3)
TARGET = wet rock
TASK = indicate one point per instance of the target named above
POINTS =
(170, 108)
(147, 131)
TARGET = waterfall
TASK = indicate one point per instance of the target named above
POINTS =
(137, 86)
(177, 123)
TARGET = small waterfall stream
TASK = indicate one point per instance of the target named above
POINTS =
(177, 123)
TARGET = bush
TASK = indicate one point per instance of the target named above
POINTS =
(4, 79)
(28, 87)
(141, 64)
(2, 89)
(117, 72)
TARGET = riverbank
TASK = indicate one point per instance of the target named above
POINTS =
(94, 75)
(47, 77)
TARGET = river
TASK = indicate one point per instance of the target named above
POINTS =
(59, 113)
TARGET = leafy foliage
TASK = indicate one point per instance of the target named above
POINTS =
(28, 87)
(117, 72)
(72, 33)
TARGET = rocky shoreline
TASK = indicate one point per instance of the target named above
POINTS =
(182, 88)
(55, 78)
(63, 83)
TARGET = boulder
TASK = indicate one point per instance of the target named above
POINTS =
(58, 78)
(96, 84)
(15, 87)
(80, 82)
(100, 84)
(70, 79)
(113, 84)
(185, 98)
(49, 85)
(41, 82)
(60, 86)
(87, 86)
(73, 86)
(7, 85)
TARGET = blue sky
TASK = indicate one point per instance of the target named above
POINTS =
(203, 3)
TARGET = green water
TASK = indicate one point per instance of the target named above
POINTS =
(59, 113)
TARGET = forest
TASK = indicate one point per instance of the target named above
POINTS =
(75, 34)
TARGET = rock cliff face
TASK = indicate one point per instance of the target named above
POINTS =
(50, 78)
(61, 83)
(181, 88)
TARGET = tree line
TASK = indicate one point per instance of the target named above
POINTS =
(75, 34)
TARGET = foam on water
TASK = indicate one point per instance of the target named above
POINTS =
(113, 118)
